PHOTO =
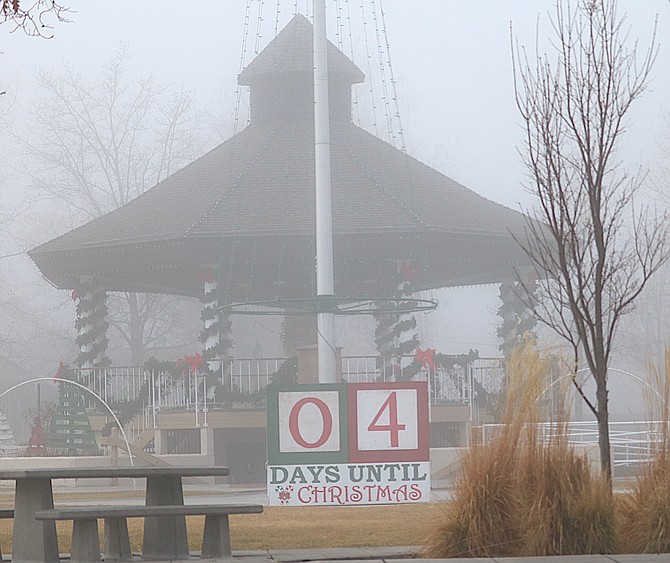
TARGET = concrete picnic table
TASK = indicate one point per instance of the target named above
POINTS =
(35, 541)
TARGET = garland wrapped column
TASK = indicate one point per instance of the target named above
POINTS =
(517, 319)
(215, 335)
(91, 324)
(395, 335)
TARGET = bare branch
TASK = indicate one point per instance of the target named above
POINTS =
(590, 249)
(34, 17)
(98, 145)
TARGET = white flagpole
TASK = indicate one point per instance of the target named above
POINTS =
(325, 285)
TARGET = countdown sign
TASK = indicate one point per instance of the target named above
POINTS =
(357, 443)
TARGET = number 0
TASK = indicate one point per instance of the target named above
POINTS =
(326, 418)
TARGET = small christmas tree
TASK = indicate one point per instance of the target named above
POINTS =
(36, 443)
(70, 431)
(8, 446)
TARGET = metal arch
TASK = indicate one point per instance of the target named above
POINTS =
(586, 370)
(330, 304)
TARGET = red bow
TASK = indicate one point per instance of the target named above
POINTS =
(190, 362)
(425, 357)
(407, 270)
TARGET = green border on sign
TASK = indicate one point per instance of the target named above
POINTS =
(275, 457)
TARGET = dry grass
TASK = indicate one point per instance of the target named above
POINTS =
(359, 526)
(568, 508)
(296, 528)
(519, 496)
(645, 512)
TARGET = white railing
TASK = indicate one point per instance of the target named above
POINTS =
(248, 375)
(159, 390)
(632, 442)
(452, 384)
(113, 384)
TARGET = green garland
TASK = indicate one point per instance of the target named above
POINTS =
(220, 325)
(395, 335)
(517, 320)
(92, 313)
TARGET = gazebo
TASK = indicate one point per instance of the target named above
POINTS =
(248, 206)
(244, 213)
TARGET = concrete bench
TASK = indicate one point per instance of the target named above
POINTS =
(5, 513)
(86, 543)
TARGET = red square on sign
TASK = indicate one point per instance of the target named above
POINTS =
(388, 422)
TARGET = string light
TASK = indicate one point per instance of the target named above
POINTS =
(355, 103)
(370, 73)
(259, 26)
(397, 114)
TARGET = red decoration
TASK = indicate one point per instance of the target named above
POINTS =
(425, 357)
(407, 270)
(190, 363)
(206, 274)
(36, 443)
(59, 371)
(74, 295)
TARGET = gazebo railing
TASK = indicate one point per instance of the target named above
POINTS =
(247, 375)
(446, 385)
(156, 390)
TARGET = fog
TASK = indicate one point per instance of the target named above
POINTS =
(452, 64)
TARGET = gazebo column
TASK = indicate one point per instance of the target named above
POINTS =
(91, 323)
(210, 317)
(215, 334)
(396, 335)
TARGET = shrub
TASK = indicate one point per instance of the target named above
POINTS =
(645, 511)
(522, 494)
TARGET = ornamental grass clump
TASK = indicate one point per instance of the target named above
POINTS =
(568, 507)
(481, 519)
(523, 493)
(645, 511)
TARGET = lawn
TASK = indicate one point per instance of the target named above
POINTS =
(298, 527)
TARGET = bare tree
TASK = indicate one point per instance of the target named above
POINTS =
(646, 333)
(593, 250)
(100, 144)
(34, 17)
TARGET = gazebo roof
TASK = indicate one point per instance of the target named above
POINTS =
(248, 205)
(291, 52)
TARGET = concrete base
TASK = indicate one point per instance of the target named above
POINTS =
(38, 539)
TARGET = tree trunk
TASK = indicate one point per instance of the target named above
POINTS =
(136, 331)
(603, 425)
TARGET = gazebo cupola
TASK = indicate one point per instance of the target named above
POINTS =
(281, 77)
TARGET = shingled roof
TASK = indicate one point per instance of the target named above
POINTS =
(291, 52)
(248, 205)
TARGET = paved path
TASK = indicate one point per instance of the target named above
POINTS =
(379, 555)
(394, 554)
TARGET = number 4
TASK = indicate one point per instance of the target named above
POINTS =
(393, 428)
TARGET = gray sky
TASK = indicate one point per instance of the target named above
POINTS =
(451, 60)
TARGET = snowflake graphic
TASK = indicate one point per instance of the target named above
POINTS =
(284, 493)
